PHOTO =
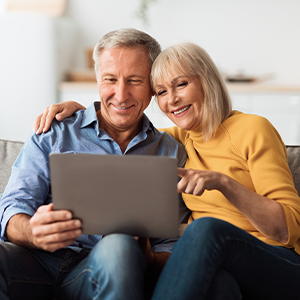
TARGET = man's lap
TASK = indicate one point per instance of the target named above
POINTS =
(65, 271)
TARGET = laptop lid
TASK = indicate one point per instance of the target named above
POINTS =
(129, 194)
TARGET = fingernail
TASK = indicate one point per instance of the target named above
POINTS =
(68, 215)
(77, 223)
(58, 117)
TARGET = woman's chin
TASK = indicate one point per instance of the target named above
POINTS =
(185, 125)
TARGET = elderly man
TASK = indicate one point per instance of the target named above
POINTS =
(43, 253)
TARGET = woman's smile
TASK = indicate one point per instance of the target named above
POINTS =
(181, 110)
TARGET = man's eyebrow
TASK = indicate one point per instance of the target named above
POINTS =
(136, 75)
(113, 75)
(107, 74)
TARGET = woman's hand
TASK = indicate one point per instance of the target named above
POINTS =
(59, 111)
(265, 214)
(195, 182)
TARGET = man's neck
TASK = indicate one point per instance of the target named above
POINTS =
(121, 136)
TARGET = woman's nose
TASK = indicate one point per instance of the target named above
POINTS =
(173, 98)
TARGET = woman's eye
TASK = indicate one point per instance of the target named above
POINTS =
(182, 84)
(159, 93)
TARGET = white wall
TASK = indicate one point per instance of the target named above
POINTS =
(33, 55)
(259, 36)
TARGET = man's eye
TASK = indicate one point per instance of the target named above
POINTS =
(110, 80)
(134, 81)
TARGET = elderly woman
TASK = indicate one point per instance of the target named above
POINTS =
(243, 238)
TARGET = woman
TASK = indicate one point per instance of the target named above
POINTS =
(243, 237)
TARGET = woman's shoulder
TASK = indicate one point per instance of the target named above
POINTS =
(242, 123)
(238, 118)
(244, 130)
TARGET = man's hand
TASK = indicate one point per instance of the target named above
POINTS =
(53, 230)
(47, 229)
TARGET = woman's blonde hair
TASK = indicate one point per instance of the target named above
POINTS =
(191, 60)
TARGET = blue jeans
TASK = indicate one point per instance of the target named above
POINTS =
(216, 260)
(113, 269)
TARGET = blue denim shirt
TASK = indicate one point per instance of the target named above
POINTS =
(29, 184)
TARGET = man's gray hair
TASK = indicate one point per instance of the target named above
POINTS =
(127, 37)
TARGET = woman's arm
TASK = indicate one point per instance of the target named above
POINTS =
(265, 214)
(59, 111)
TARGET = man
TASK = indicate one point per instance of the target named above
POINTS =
(43, 254)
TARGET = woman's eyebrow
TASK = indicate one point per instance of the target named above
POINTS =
(176, 78)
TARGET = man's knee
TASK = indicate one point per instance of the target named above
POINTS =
(117, 251)
(118, 266)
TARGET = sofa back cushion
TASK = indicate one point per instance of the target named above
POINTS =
(294, 164)
(9, 151)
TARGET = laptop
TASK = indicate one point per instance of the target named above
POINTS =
(130, 194)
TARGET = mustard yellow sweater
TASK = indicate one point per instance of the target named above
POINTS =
(248, 149)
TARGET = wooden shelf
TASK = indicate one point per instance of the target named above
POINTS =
(232, 87)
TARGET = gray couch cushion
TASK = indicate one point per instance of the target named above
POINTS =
(294, 164)
(9, 151)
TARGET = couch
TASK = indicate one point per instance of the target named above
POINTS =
(9, 151)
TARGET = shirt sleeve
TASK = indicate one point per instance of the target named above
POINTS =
(29, 183)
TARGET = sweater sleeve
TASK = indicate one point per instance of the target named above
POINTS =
(261, 146)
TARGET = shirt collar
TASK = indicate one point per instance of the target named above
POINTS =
(90, 116)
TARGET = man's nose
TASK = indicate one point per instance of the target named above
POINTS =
(121, 91)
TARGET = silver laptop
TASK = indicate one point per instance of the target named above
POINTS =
(131, 194)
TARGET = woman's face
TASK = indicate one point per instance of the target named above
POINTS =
(181, 98)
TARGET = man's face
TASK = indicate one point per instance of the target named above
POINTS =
(124, 87)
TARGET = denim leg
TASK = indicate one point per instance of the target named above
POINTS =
(224, 287)
(114, 269)
(262, 271)
(23, 276)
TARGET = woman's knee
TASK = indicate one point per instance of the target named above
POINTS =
(224, 287)
(206, 227)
